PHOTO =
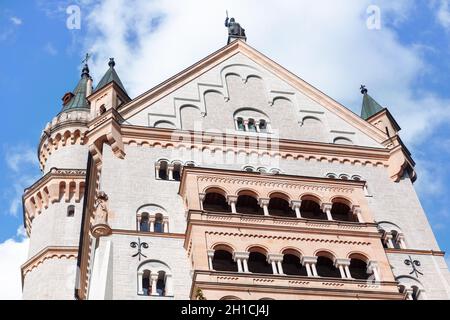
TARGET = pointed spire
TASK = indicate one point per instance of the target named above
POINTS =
(369, 105)
(78, 96)
(110, 76)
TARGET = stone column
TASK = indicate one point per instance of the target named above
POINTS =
(210, 257)
(342, 265)
(296, 204)
(241, 260)
(269, 127)
(356, 210)
(246, 125)
(170, 171)
(274, 267)
(347, 271)
(236, 125)
(264, 203)
(257, 126)
(326, 207)
(169, 285)
(201, 197)
(153, 279)
(409, 294)
(275, 260)
(401, 241)
(157, 167)
(140, 289)
(310, 264)
(372, 267)
(165, 225)
(388, 240)
(152, 224)
(232, 200)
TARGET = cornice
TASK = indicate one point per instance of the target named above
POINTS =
(47, 191)
(416, 252)
(276, 182)
(148, 234)
(48, 253)
(52, 174)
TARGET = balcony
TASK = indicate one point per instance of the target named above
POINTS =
(216, 284)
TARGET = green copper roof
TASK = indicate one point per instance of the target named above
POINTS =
(369, 105)
(79, 100)
(110, 76)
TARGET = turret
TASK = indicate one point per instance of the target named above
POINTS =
(53, 205)
(109, 93)
(401, 161)
(62, 139)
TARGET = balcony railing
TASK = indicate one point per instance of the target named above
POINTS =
(297, 285)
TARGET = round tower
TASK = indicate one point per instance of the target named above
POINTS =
(53, 204)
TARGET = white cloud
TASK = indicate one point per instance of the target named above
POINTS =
(23, 166)
(327, 44)
(13, 253)
(443, 14)
(16, 21)
(17, 157)
(50, 49)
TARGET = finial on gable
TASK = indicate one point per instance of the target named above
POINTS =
(85, 70)
(111, 63)
(363, 89)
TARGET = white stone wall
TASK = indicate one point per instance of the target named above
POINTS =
(254, 87)
(54, 279)
(130, 183)
(52, 227)
(433, 278)
(67, 157)
(124, 268)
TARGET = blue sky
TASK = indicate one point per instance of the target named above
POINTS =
(404, 64)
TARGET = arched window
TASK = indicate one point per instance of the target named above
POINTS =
(292, 266)
(358, 269)
(410, 286)
(251, 120)
(310, 209)
(251, 125)
(415, 292)
(262, 170)
(280, 207)
(257, 263)
(262, 125)
(177, 172)
(161, 284)
(146, 283)
(240, 124)
(325, 268)
(159, 223)
(144, 222)
(214, 201)
(343, 177)
(223, 261)
(71, 211)
(249, 169)
(395, 240)
(331, 176)
(341, 212)
(154, 279)
(162, 171)
(247, 204)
